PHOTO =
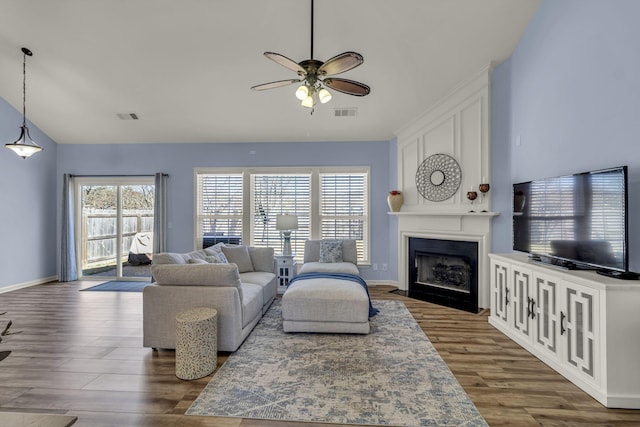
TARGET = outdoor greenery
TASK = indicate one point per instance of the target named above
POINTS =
(104, 197)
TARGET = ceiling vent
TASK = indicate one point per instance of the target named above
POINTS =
(345, 112)
(127, 116)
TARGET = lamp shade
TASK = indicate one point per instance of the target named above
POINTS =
(286, 222)
(324, 96)
(302, 92)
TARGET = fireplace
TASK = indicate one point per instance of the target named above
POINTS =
(444, 272)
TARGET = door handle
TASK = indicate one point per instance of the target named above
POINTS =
(562, 319)
(529, 306)
(506, 296)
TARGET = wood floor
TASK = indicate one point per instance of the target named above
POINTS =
(81, 353)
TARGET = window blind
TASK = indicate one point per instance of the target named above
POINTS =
(343, 208)
(219, 211)
(274, 194)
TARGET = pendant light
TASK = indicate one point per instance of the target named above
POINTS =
(24, 146)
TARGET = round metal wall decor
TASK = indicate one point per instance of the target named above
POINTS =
(438, 177)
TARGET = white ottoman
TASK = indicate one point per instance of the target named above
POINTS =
(196, 343)
(325, 305)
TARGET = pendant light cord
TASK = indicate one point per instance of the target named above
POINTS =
(25, 52)
(24, 89)
(311, 29)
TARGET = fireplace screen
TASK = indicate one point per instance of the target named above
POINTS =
(448, 272)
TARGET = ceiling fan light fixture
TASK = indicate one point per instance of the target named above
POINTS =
(302, 92)
(324, 96)
(308, 102)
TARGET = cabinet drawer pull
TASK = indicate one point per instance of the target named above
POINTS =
(533, 308)
(529, 306)
(506, 296)
(562, 319)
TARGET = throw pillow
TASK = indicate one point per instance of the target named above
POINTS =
(215, 249)
(331, 251)
(217, 259)
(238, 255)
(196, 261)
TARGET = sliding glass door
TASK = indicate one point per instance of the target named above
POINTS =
(114, 220)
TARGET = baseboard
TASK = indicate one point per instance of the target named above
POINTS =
(382, 282)
(28, 284)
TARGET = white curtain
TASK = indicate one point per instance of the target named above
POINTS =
(160, 214)
(68, 267)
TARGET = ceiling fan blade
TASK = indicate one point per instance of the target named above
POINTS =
(341, 63)
(348, 86)
(285, 62)
(273, 85)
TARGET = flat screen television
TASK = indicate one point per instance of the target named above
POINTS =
(577, 221)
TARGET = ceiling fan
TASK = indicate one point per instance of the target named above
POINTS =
(315, 75)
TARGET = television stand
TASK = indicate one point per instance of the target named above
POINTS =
(582, 324)
(622, 275)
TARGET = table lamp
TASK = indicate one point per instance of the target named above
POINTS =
(286, 223)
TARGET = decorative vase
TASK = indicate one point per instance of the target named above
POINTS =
(395, 199)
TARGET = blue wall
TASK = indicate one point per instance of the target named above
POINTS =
(569, 94)
(28, 205)
(179, 160)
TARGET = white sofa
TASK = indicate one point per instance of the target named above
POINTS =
(241, 291)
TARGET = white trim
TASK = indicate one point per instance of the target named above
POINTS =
(28, 284)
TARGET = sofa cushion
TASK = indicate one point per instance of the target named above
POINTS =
(251, 302)
(334, 267)
(331, 251)
(266, 281)
(262, 259)
(170, 258)
(197, 261)
(197, 275)
(178, 258)
(238, 255)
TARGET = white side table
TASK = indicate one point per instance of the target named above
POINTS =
(286, 269)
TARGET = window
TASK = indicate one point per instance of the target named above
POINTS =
(219, 208)
(343, 208)
(240, 205)
(274, 194)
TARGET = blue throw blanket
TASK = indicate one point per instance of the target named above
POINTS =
(340, 276)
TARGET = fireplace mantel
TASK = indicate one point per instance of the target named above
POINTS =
(451, 214)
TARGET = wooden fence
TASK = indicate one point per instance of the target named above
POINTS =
(99, 235)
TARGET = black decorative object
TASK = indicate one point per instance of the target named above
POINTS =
(438, 177)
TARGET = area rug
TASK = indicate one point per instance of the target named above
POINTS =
(393, 376)
(118, 286)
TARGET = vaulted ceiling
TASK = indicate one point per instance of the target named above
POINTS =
(185, 67)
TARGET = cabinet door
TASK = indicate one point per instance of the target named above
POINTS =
(521, 284)
(500, 291)
(580, 331)
(546, 314)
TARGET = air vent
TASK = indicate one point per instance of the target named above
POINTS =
(345, 112)
(127, 116)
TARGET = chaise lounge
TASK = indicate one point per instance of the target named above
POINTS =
(328, 295)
